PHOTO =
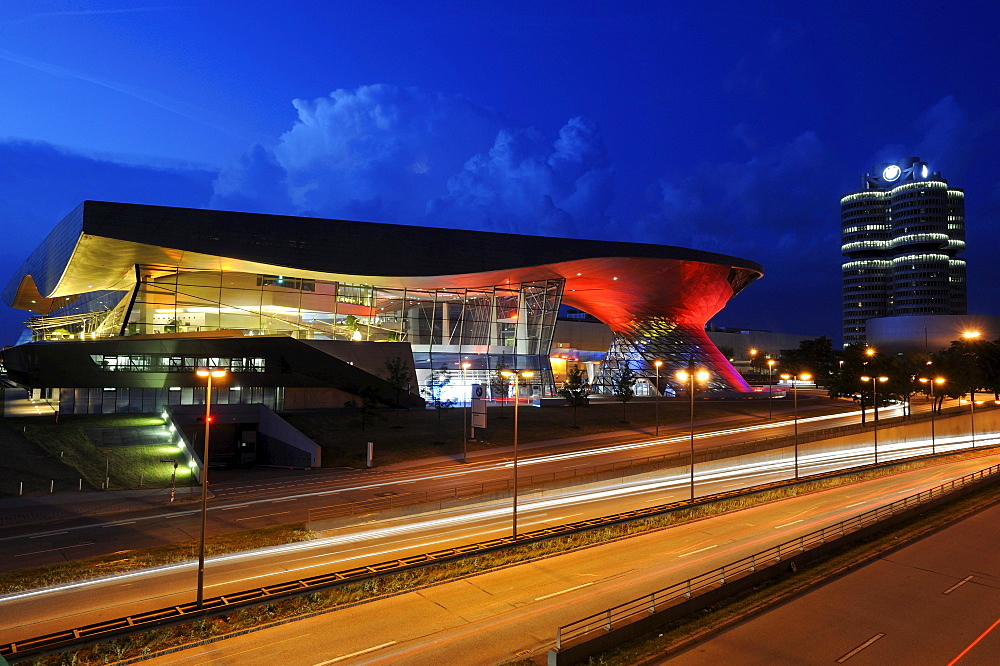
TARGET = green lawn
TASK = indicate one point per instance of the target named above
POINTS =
(132, 466)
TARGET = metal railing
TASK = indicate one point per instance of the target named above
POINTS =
(677, 593)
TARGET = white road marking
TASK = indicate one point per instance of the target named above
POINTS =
(699, 550)
(957, 585)
(855, 504)
(859, 648)
(48, 534)
(556, 594)
(778, 527)
(51, 550)
(290, 499)
(239, 506)
(355, 654)
(266, 515)
(117, 524)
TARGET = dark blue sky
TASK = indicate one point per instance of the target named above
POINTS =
(709, 125)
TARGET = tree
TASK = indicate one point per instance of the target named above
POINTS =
(816, 357)
(576, 389)
(365, 403)
(622, 386)
(500, 385)
(436, 384)
(398, 375)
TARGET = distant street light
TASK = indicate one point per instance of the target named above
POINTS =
(688, 378)
(209, 374)
(972, 335)
(932, 382)
(465, 414)
(875, 403)
(517, 399)
(804, 376)
(657, 364)
(770, 387)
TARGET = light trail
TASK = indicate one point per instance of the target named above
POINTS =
(749, 473)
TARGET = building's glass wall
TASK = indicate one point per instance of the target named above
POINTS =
(148, 400)
(510, 324)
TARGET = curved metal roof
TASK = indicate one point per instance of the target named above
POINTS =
(97, 246)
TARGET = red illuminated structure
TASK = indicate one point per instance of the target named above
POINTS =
(123, 273)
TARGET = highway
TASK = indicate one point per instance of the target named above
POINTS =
(929, 603)
(242, 505)
(491, 617)
(43, 611)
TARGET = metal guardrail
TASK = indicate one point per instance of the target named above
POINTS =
(97, 632)
(677, 593)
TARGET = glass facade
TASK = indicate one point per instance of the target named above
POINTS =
(508, 324)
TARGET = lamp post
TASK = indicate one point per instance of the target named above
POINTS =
(208, 374)
(688, 378)
(465, 415)
(657, 364)
(970, 336)
(804, 376)
(875, 403)
(517, 395)
(932, 382)
(770, 386)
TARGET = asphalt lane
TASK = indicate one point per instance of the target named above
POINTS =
(491, 617)
(241, 505)
(936, 601)
(702, 545)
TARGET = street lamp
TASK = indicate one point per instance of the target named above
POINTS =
(657, 364)
(209, 374)
(972, 335)
(932, 382)
(875, 403)
(770, 386)
(688, 378)
(517, 395)
(805, 376)
(465, 415)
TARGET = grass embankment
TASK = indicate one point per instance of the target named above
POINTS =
(129, 466)
(401, 436)
(353, 592)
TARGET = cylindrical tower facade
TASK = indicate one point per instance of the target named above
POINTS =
(901, 237)
(865, 238)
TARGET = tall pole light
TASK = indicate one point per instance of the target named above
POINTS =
(465, 414)
(688, 378)
(970, 336)
(805, 376)
(208, 374)
(875, 403)
(657, 364)
(932, 382)
(517, 399)
(770, 386)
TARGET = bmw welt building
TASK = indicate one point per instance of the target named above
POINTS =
(128, 300)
